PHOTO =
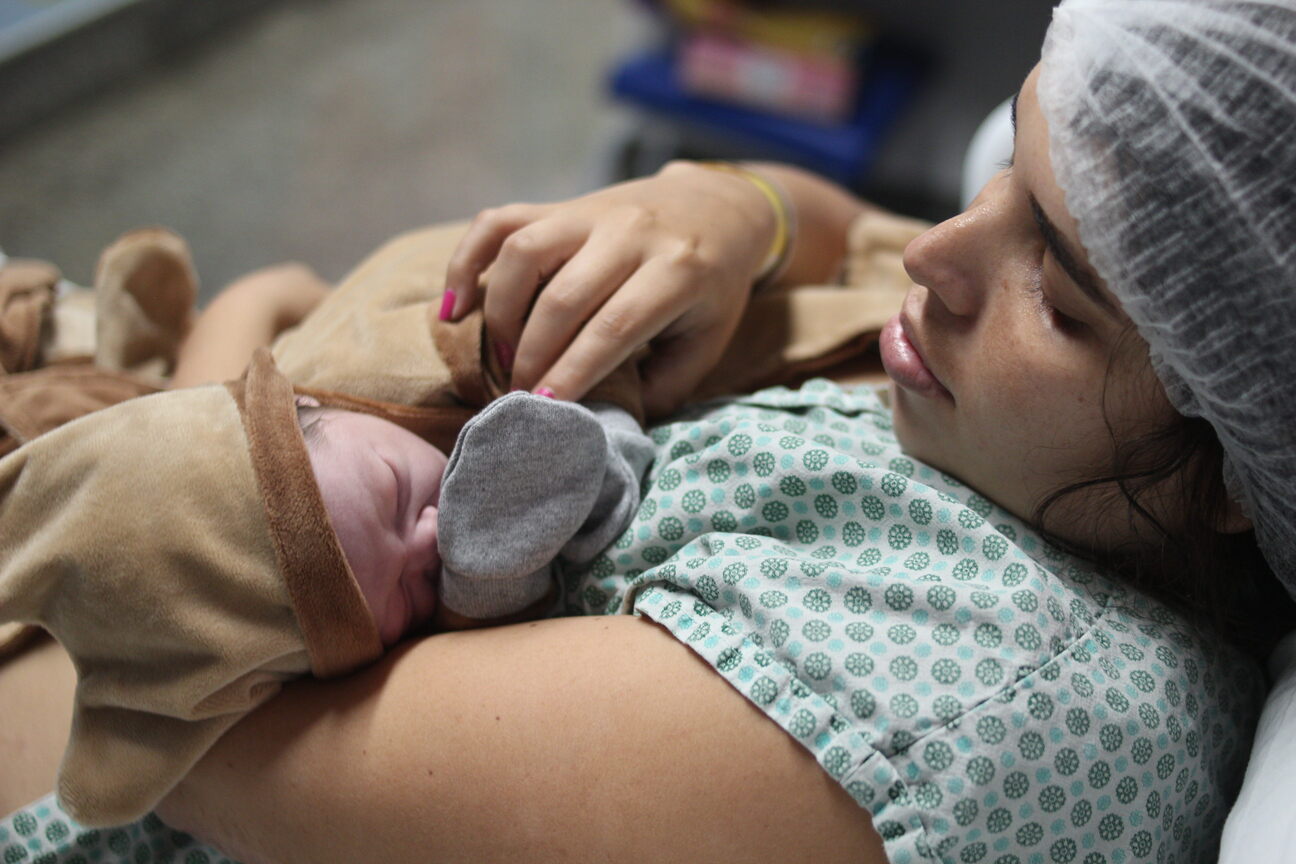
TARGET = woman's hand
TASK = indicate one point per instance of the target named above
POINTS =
(668, 259)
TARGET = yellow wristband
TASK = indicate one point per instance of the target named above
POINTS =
(777, 257)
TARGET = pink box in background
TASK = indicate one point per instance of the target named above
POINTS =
(817, 86)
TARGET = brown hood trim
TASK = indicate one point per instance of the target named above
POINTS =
(339, 631)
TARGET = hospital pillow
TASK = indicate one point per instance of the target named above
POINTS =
(1262, 824)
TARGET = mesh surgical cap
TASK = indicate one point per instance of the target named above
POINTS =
(1172, 133)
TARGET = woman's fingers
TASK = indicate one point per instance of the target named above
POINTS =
(527, 258)
(571, 298)
(624, 263)
(657, 294)
(478, 248)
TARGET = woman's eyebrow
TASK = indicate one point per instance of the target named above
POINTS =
(1069, 262)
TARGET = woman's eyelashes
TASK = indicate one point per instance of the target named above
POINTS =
(1051, 313)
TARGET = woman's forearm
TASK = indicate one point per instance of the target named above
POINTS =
(36, 689)
(824, 213)
(571, 739)
(245, 316)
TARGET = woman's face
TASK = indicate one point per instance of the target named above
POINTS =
(380, 485)
(1000, 355)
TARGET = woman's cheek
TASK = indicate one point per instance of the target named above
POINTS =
(1019, 413)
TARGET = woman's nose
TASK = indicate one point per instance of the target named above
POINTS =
(953, 259)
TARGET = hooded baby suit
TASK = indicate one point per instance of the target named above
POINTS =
(233, 583)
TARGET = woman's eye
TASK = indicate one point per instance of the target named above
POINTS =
(1055, 316)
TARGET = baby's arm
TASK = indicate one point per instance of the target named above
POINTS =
(247, 315)
(533, 480)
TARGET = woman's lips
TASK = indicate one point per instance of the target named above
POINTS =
(905, 365)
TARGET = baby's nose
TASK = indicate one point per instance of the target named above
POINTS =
(423, 554)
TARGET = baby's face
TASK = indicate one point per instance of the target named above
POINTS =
(380, 485)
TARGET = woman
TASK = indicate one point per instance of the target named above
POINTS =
(1110, 734)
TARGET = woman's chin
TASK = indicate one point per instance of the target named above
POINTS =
(914, 433)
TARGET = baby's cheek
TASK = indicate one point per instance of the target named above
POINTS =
(389, 612)
(380, 595)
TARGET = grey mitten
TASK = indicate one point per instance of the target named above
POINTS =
(629, 452)
(527, 477)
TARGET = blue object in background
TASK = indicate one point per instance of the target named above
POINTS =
(28, 24)
(844, 152)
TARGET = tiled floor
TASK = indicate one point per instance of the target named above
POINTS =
(317, 128)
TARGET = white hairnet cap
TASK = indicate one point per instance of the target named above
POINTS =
(1172, 133)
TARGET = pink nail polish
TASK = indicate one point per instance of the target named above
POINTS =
(504, 354)
(447, 305)
(545, 392)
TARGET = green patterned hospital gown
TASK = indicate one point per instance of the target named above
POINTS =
(984, 697)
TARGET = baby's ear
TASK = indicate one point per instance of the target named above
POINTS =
(306, 401)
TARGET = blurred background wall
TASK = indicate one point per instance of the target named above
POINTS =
(269, 130)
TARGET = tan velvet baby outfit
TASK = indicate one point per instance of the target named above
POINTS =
(178, 548)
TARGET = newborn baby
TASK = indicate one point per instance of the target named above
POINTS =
(193, 550)
(381, 485)
(531, 483)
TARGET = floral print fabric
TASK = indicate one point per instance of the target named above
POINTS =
(984, 697)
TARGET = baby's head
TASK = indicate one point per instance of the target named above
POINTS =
(380, 484)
